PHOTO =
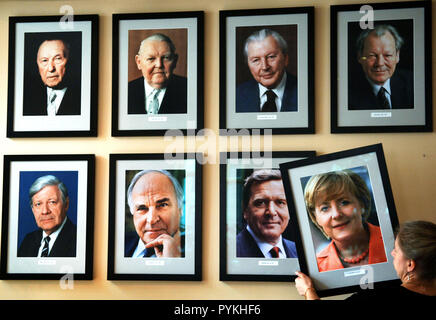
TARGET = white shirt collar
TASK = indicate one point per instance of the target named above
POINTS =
(53, 236)
(376, 87)
(59, 96)
(266, 247)
(149, 91)
(279, 91)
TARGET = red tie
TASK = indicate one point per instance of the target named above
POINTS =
(274, 252)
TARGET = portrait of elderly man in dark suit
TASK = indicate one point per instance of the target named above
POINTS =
(380, 84)
(272, 88)
(266, 215)
(158, 90)
(56, 234)
(56, 89)
(155, 200)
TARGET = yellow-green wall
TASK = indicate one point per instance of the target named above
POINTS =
(411, 157)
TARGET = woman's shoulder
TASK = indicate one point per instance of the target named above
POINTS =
(393, 293)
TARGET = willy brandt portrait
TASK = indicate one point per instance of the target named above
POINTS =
(270, 87)
(380, 82)
(52, 74)
(158, 90)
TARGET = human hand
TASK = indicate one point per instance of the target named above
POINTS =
(166, 246)
(304, 286)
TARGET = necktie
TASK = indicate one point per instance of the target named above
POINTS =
(382, 101)
(148, 252)
(51, 108)
(153, 107)
(44, 252)
(274, 252)
(270, 104)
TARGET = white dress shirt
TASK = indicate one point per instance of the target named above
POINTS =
(266, 247)
(53, 238)
(387, 86)
(279, 91)
(59, 96)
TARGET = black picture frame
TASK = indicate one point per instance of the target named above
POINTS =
(296, 26)
(77, 172)
(369, 163)
(122, 265)
(234, 168)
(186, 31)
(353, 109)
(77, 111)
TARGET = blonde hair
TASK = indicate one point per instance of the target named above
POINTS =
(331, 185)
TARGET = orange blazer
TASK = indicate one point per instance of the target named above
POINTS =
(328, 258)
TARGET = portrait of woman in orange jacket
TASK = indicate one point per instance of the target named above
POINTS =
(339, 204)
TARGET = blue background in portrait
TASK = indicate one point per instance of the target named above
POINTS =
(26, 220)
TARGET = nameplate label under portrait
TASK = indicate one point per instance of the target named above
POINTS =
(266, 117)
(153, 262)
(157, 119)
(46, 262)
(268, 263)
(381, 114)
(353, 273)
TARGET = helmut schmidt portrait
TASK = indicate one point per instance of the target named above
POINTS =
(52, 84)
(56, 234)
(155, 199)
(266, 217)
(379, 82)
(158, 90)
(271, 87)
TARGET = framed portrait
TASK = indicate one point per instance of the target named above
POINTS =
(157, 73)
(266, 70)
(48, 217)
(53, 76)
(155, 217)
(381, 78)
(254, 217)
(343, 207)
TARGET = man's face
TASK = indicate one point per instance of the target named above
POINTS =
(49, 209)
(154, 206)
(267, 211)
(156, 62)
(52, 62)
(379, 57)
(266, 62)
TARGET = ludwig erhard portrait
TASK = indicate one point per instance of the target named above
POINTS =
(157, 71)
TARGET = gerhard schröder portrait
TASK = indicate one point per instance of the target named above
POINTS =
(263, 222)
(345, 228)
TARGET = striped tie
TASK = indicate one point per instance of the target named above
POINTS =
(44, 252)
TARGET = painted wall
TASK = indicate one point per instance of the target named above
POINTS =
(411, 157)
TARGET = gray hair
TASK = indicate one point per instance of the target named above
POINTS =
(158, 37)
(178, 190)
(257, 177)
(48, 180)
(379, 31)
(262, 35)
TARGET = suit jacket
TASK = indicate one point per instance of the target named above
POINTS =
(248, 100)
(328, 258)
(35, 100)
(174, 101)
(64, 246)
(131, 242)
(361, 95)
(246, 246)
